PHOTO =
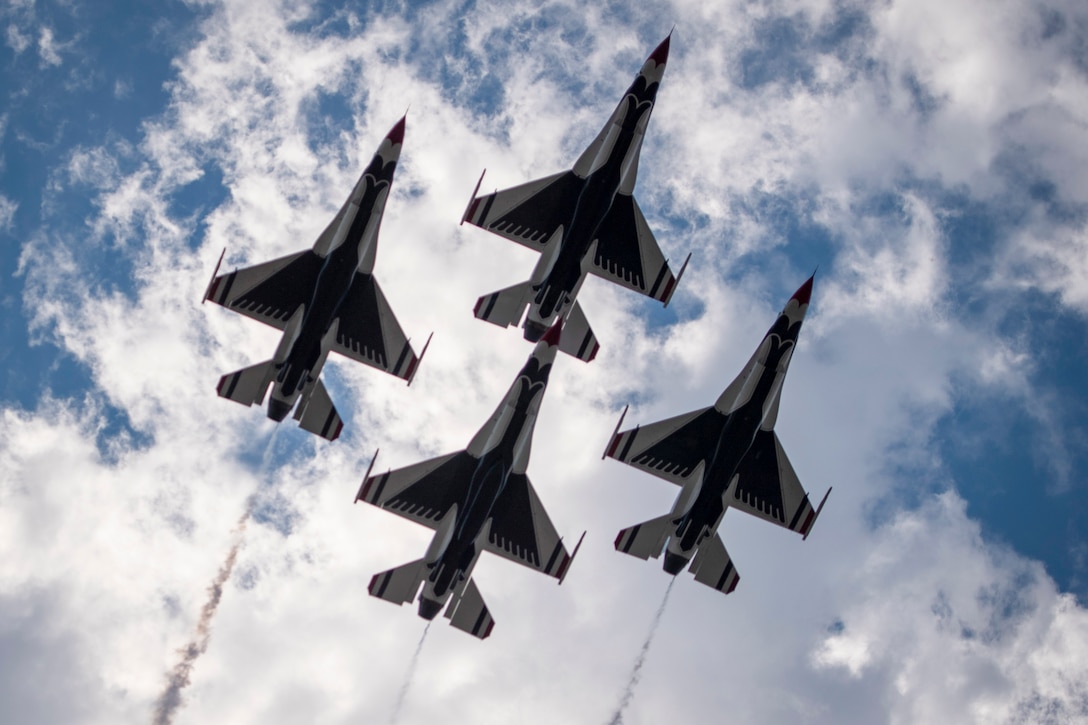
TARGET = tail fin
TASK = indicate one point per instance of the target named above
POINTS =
(713, 567)
(398, 585)
(248, 385)
(645, 540)
(320, 416)
(505, 307)
(578, 339)
(469, 613)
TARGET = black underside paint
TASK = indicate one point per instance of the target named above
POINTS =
(543, 212)
(282, 293)
(618, 251)
(360, 327)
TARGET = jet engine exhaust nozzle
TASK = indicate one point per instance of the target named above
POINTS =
(428, 608)
(674, 563)
(534, 330)
(278, 410)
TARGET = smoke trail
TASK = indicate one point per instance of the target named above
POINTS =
(636, 671)
(408, 677)
(178, 679)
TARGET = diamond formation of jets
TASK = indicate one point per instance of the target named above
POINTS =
(478, 499)
(727, 455)
(581, 221)
(324, 299)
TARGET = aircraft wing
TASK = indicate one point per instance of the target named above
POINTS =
(767, 486)
(269, 292)
(628, 254)
(369, 331)
(422, 492)
(671, 448)
(521, 530)
(528, 214)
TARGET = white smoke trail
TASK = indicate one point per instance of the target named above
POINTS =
(178, 679)
(636, 671)
(408, 677)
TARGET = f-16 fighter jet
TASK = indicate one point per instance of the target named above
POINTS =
(582, 220)
(721, 456)
(324, 299)
(476, 500)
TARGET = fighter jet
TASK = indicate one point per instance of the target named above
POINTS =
(476, 500)
(323, 299)
(721, 456)
(583, 220)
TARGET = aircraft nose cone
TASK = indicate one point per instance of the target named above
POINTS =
(661, 52)
(428, 608)
(674, 563)
(804, 292)
(278, 410)
(397, 134)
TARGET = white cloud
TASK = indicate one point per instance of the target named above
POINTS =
(7, 212)
(15, 39)
(947, 627)
(123, 542)
(48, 47)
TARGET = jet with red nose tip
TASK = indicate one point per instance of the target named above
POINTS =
(324, 299)
(581, 221)
(479, 499)
(727, 455)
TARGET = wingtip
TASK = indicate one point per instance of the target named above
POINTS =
(360, 495)
(610, 447)
(816, 514)
(210, 289)
(470, 209)
(414, 365)
(570, 560)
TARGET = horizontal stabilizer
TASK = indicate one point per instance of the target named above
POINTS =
(578, 339)
(398, 585)
(470, 614)
(505, 307)
(248, 385)
(645, 540)
(713, 567)
(320, 416)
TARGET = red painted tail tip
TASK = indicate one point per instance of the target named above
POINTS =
(804, 292)
(397, 134)
(661, 52)
(552, 335)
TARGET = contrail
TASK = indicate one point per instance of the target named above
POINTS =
(178, 679)
(408, 677)
(636, 671)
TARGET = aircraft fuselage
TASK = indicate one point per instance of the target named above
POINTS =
(505, 440)
(556, 280)
(350, 258)
(737, 434)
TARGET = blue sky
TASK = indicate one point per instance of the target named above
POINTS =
(928, 157)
